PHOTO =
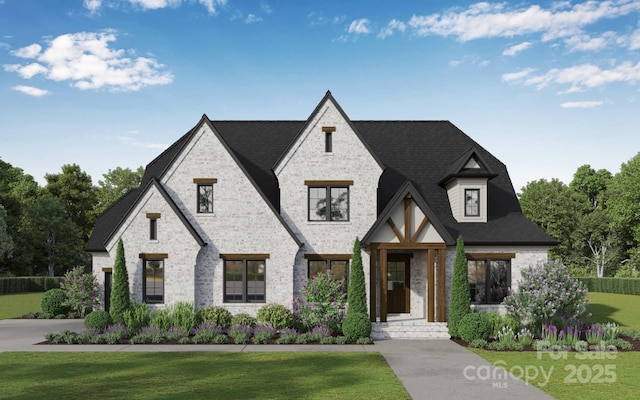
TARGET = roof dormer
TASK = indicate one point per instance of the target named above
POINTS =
(466, 183)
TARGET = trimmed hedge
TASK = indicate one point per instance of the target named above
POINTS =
(25, 284)
(613, 285)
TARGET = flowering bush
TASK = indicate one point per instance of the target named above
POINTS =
(206, 332)
(322, 303)
(240, 333)
(547, 295)
(81, 289)
(594, 334)
(263, 333)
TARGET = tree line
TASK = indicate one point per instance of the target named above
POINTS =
(43, 230)
(595, 218)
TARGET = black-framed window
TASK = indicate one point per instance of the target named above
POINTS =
(489, 280)
(338, 268)
(472, 202)
(328, 142)
(244, 281)
(153, 281)
(153, 229)
(328, 203)
(205, 198)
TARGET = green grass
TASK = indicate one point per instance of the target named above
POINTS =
(16, 305)
(623, 309)
(574, 378)
(31, 375)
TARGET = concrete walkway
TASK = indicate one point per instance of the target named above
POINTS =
(429, 369)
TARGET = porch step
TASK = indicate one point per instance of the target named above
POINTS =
(409, 329)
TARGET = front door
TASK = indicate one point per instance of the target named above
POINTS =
(398, 284)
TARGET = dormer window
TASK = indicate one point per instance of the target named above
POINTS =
(472, 202)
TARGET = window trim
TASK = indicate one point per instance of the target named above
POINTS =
(153, 229)
(144, 278)
(487, 258)
(328, 185)
(245, 258)
(201, 182)
(478, 206)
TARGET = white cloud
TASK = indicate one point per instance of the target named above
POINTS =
(28, 52)
(212, 5)
(517, 48)
(318, 19)
(579, 77)
(488, 20)
(392, 26)
(31, 91)
(251, 18)
(585, 42)
(581, 104)
(516, 76)
(359, 27)
(92, 5)
(634, 40)
(266, 8)
(155, 4)
(86, 60)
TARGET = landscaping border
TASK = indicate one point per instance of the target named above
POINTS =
(26, 284)
(612, 285)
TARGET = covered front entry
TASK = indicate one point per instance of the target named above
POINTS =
(407, 270)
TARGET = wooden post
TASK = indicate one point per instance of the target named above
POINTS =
(373, 255)
(431, 259)
(442, 300)
(383, 285)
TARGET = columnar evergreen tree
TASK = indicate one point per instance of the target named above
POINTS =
(460, 301)
(120, 298)
(357, 324)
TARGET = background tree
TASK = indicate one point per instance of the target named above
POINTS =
(120, 297)
(6, 243)
(116, 183)
(56, 241)
(460, 295)
(73, 186)
(593, 184)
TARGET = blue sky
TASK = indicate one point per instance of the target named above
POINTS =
(545, 86)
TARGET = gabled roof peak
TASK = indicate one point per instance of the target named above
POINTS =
(468, 164)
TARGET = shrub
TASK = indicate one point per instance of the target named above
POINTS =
(594, 334)
(619, 344)
(161, 319)
(81, 290)
(262, 334)
(120, 297)
(501, 346)
(89, 335)
(116, 333)
(322, 302)
(327, 340)
(357, 294)
(478, 343)
(137, 316)
(206, 332)
(341, 340)
(525, 336)
(240, 333)
(630, 333)
(611, 331)
(287, 336)
(364, 340)
(356, 326)
(184, 315)
(581, 345)
(303, 338)
(176, 333)
(244, 318)
(54, 302)
(148, 334)
(613, 285)
(547, 295)
(474, 326)
(506, 334)
(97, 320)
(217, 314)
(319, 332)
(460, 301)
(276, 315)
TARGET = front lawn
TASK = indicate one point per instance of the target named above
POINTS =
(623, 309)
(30, 375)
(613, 376)
(18, 304)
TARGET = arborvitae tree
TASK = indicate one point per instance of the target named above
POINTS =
(460, 301)
(120, 299)
(357, 324)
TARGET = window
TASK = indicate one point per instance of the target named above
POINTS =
(153, 229)
(205, 199)
(489, 280)
(153, 281)
(153, 225)
(328, 138)
(338, 268)
(204, 195)
(328, 203)
(244, 280)
(472, 202)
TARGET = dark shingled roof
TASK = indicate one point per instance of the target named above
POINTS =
(424, 153)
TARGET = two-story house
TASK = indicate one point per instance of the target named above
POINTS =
(241, 213)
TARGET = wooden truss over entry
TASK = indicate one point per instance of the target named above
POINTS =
(407, 229)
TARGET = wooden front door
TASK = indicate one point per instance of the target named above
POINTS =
(398, 284)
